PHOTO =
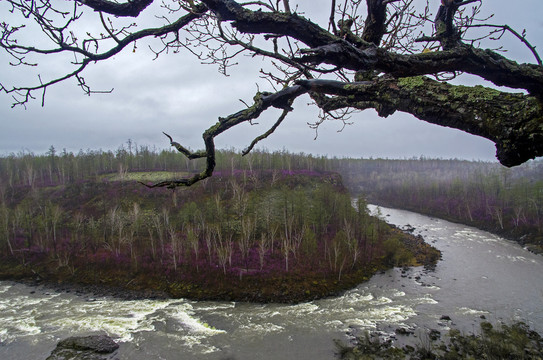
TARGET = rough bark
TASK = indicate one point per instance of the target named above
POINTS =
(131, 8)
(514, 122)
(375, 27)
(484, 63)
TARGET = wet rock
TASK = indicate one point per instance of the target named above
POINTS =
(94, 347)
(404, 331)
(434, 334)
(445, 318)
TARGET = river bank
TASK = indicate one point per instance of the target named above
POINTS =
(513, 342)
(284, 287)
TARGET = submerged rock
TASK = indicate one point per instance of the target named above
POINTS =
(94, 347)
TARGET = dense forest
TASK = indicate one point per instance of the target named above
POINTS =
(507, 201)
(266, 216)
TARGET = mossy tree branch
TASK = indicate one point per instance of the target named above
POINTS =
(484, 63)
(514, 122)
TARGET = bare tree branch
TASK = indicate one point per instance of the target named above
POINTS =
(267, 133)
(131, 8)
(24, 93)
(383, 61)
(522, 38)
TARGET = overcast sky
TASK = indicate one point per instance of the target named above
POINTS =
(178, 95)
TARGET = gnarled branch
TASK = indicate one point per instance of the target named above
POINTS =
(262, 101)
(301, 50)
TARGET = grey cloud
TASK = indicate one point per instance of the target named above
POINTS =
(179, 95)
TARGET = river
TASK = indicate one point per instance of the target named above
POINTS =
(480, 275)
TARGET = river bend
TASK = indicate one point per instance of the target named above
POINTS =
(480, 276)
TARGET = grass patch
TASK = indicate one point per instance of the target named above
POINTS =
(146, 176)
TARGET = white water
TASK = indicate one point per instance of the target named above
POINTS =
(480, 274)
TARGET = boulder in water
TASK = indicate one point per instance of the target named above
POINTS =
(94, 347)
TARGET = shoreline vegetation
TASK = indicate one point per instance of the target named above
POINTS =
(291, 288)
(258, 236)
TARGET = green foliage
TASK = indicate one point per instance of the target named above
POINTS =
(309, 243)
(395, 253)
(369, 348)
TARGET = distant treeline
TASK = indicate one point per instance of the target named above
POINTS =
(55, 168)
(487, 195)
(483, 194)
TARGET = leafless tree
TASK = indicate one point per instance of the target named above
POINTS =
(193, 238)
(387, 55)
(4, 226)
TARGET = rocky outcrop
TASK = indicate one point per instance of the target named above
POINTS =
(94, 347)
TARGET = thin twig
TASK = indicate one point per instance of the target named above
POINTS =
(516, 34)
(266, 134)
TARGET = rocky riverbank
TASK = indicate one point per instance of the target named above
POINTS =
(514, 342)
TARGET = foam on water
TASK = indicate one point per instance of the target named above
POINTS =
(121, 319)
(426, 299)
(355, 297)
(369, 318)
(432, 287)
(185, 317)
(468, 311)
(19, 314)
(213, 306)
(20, 325)
(4, 288)
(303, 309)
(3, 336)
(381, 300)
